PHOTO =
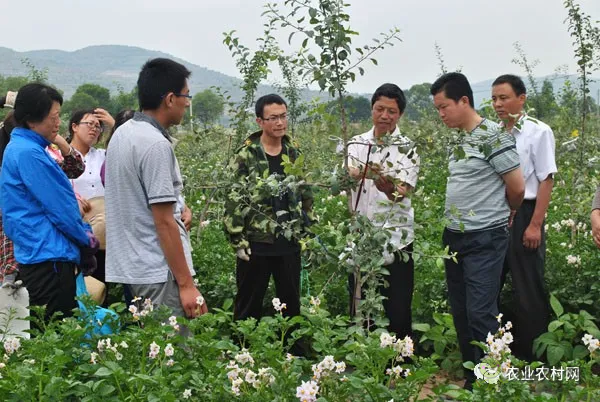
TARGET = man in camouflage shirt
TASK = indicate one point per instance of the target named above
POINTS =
(264, 218)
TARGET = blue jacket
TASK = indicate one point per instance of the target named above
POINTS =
(39, 209)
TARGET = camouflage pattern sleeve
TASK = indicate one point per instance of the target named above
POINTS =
(233, 218)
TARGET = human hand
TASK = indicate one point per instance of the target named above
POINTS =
(62, 144)
(243, 253)
(511, 217)
(84, 206)
(104, 117)
(532, 238)
(189, 297)
(595, 218)
(186, 218)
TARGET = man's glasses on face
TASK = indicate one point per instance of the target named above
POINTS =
(275, 119)
(93, 126)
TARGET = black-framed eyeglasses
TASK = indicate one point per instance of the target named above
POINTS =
(183, 95)
(93, 126)
(274, 119)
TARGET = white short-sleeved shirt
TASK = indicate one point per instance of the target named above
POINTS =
(375, 204)
(141, 170)
(535, 145)
(89, 184)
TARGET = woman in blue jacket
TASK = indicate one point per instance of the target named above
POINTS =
(39, 209)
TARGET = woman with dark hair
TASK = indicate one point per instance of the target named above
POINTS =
(38, 204)
(85, 130)
(69, 161)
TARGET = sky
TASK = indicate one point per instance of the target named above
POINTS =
(476, 36)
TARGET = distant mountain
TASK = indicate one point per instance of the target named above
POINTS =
(112, 67)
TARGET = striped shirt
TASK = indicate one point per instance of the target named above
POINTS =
(476, 194)
(141, 170)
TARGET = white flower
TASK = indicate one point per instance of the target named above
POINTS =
(93, 357)
(278, 305)
(124, 345)
(235, 385)
(170, 362)
(289, 357)
(573, 260)
(244, 357)
(594, 345)
(340, 367)
(489, 339)
(2, 365)
(499, 317)
(508, 325)
(154, 350)
(169, 350)
(200, 300)
(205, 223)
(307, 392)
(136, 299)
(118, 356)
(11, 345)
(507, 338)
(386, 340)
(586, 339)
(133, 309)
(405, 347)
(29, 361)
(187, 394)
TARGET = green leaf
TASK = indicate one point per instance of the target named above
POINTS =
(374, 61)
(554, 325)
(421, 327)
(556, 306)
(555, 353)
(469, 365)
(579, 352)
(439, 262)
(103, 372)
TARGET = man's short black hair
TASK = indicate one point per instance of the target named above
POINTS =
(391, 91)
(34, 102)
(263, 101)
(515, 82)
(454, 86)
(157, 78)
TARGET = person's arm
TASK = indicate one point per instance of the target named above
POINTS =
(55, 195)
(170, 242)
(532, 238)
(186, 217)
(73, 164)
(515, 187)
(595, 218)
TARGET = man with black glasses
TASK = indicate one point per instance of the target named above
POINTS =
(256, 220)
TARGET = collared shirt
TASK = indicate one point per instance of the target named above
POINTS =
(141, 170)
(39, 210)
(535, 145)
(476, 193)
(398, 160)
(89, 184)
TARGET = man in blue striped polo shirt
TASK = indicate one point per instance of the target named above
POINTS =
(485, 183)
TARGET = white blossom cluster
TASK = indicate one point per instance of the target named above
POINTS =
(327, 366)
(591, 342)
(307, 392)
(405, 347)
(11, 345)
(278, 305)
(573, 260)
(240, 371)
(315, 302)
(146, 308)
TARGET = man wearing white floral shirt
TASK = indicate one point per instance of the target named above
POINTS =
(527, 244)
(387, 166)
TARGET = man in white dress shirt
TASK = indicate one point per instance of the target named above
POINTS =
(525, 258)
(387, 166)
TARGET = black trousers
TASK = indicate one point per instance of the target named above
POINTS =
(52, 284)
(252, 278)
(529, 308)
(473, 286)
(399, 293)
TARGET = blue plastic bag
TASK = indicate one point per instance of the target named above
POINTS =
(100, 319)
